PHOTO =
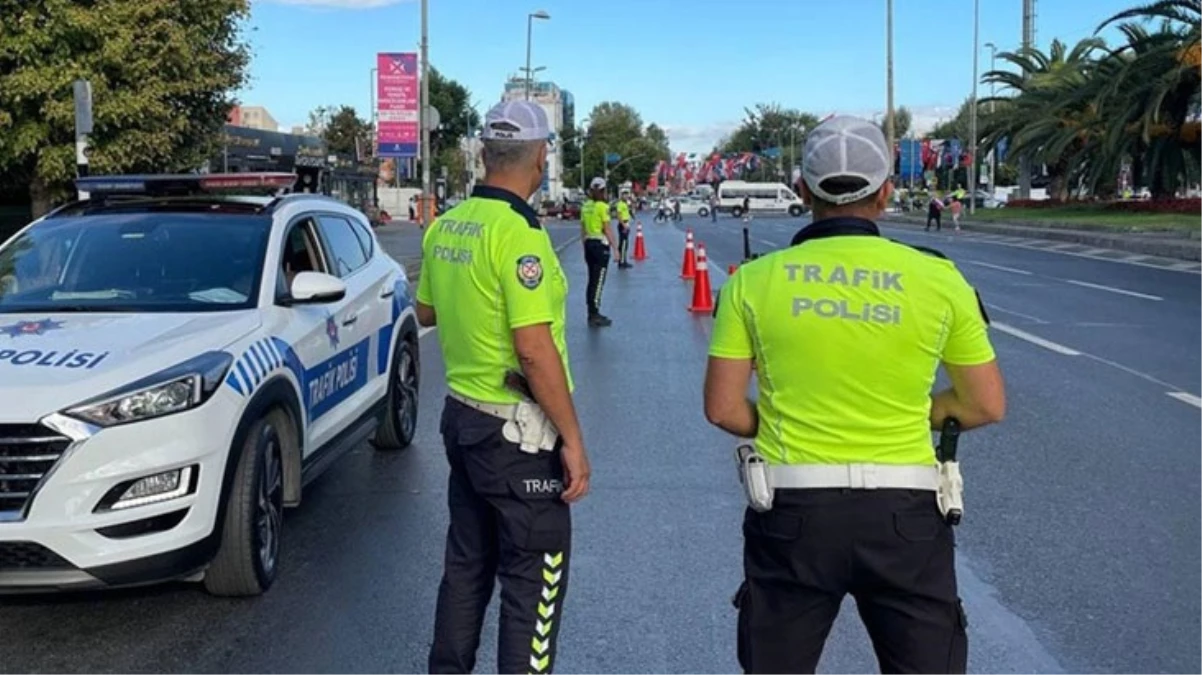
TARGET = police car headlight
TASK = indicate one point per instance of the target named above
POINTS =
(170, 391)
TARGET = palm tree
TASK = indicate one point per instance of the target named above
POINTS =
(1051, 114)
(1152, 94)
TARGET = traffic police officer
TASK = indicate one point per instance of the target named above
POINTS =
(491, 282)
(623, 209)
(599, 242)
(846, 330)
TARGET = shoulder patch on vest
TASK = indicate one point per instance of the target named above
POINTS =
(530, 271)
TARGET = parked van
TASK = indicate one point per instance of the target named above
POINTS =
(763, 197)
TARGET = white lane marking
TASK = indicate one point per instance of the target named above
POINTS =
(1112, 289)
(1028, 317)
(1091, 254)
(421, 333)
(1186, 398)
(1002, 268)
(1035, 339)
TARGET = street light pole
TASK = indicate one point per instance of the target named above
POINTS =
(424, 115)
(976, 51)
(540, 14)
(889, 78)
(992, 108)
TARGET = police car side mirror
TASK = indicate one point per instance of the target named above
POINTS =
(315, 288)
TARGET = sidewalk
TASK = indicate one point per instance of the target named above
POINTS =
(1162, 244)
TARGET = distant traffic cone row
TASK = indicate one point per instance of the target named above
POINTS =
(688, 269)
(703, 297)
(640, 248)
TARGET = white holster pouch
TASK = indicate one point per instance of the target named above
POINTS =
(753, 475)
(525, 423)
(950, 492)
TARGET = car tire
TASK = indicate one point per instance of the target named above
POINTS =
(247, 561)
(736, 211)
(703, 212)
(399, 426)
(796, 211)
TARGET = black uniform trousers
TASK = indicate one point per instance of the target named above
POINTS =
(623, 242)
(890, 549)
(596, 256)
(507, 521)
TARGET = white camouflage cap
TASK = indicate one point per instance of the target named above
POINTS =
(845, 147)
(597, 183)
(516, 121)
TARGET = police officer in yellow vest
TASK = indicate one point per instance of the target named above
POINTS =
(846, 330)
(599, 243)
(622, 207)
(491, 282)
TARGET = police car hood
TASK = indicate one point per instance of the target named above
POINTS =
(51, 362)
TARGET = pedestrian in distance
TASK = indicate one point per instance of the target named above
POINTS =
(847, 330)
(599, 245)
(934, 213)
(492, 283)
(714, 207)
(957, 208)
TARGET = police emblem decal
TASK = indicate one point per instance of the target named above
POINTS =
(530, 271)
(30, 327)
(332, 330)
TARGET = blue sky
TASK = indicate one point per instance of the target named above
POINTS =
(688, 65)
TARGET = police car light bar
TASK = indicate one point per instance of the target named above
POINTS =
(158, 185)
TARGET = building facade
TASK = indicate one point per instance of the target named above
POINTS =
(551, 98)
(253, 117)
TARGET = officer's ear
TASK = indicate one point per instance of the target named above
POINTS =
(883, 195)
(542, 156)
(807, 197)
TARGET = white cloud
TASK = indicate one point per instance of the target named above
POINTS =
(339, 4)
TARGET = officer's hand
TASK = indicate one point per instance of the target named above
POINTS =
(575, 472)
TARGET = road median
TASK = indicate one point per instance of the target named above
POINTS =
(1169, 244)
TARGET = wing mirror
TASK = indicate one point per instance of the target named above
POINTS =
(316, 288)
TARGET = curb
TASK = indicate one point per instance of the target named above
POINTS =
(1164, 246)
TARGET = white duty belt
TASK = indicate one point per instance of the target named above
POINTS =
(854, 476)
(525, 423)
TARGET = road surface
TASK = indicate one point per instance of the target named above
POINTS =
(1079, 552)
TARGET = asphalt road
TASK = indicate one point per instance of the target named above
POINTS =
(1080, 549)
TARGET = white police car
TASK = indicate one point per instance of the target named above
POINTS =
(175, 364)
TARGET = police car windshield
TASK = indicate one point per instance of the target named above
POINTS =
(135, 262)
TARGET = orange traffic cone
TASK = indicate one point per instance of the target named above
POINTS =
(703, 297)
(688, 269)
(640, 248)
(731, 269)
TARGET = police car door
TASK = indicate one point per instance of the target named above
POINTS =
(311, 336)
(344, 394)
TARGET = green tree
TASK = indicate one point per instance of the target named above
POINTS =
(902, 120)
(617, 129)
(342, 130)
(162, 74)
(772, 129)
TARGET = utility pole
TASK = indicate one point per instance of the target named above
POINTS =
(889, 80)
(424, 115)
(992, 108)
(1024, 163)
(972, 126)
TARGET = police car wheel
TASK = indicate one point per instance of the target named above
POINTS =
(400, 409)
(247, 562)
(795, 211)
(736, 211)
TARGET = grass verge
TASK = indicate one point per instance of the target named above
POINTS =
(1091, 217)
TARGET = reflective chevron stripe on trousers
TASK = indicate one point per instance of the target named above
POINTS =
(596, 256)
(507, 521)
